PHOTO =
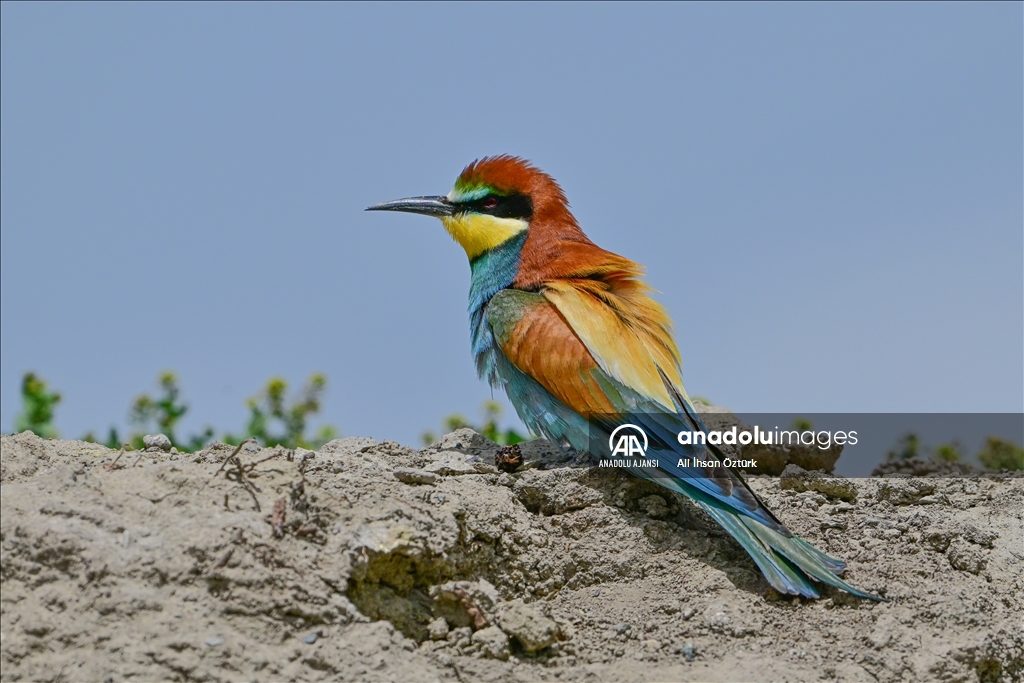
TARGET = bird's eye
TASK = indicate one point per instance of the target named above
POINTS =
(490, 202)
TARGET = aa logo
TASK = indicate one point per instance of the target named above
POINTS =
(625, 442)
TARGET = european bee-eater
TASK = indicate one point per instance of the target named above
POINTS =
(571, 334)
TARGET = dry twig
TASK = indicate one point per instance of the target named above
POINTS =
(276, 454)
(246, 484)
(226, 460)
(239, 472)
(110, 466)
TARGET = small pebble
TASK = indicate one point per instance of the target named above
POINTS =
(409, 475)
(214, 641)
(157, 441)
(311, 638)
(438, 629)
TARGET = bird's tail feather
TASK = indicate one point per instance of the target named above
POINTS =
(787, 562)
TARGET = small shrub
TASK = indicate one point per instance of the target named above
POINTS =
(489, 427)
(998, 454)
(269, 409)
(907, 448)
(949, 452)
(37, 406)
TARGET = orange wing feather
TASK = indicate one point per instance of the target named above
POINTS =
(542, 345)
(627, 332)
(572, 330)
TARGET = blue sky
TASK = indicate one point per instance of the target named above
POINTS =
(828, 197)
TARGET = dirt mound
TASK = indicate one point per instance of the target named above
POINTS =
(372, 561)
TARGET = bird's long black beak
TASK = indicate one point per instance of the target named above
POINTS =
(428, 206)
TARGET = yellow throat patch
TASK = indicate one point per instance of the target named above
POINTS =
(478, 232)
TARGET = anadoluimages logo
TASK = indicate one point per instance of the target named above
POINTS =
(625, 441)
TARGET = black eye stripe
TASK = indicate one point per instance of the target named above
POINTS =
(509, 206)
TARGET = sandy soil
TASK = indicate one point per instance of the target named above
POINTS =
(372, 561)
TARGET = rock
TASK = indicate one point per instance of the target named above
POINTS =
(965, 557)
(452, 463)
(467, 442)
(214, 641)
(919, 467)
(906, 491)
(493, 642)
(438, 629)
(525, 623)
(774, 459)
(771, 459)
(410, 475)
(654, 505)
(466, 603)
(352, 445)
(554, 492)
(542, 453)
(143, 545)
(732, 618)
(938, 540)
(797, 478)
(311, 638)
(986, 539)
(460, 637)
(156, 441)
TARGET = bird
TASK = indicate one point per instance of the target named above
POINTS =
(572, 334)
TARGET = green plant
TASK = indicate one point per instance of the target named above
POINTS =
(907, 448)
(995, 455)
(998, 454)
(272, 419)
(269, 409)
(163, 412)
(37, 404)
(802, 424)
(488, 428)
(948, 452)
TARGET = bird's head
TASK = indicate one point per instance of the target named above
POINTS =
(494, 199)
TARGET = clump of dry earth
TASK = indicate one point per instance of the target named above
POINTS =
(372, 561)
